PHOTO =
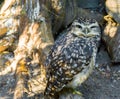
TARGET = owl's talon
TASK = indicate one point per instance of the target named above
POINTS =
(74, 91)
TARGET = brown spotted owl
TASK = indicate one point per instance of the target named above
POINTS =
(72, 57)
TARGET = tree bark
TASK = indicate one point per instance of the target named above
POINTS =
(25, 29)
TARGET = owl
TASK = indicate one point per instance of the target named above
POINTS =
(72, 57)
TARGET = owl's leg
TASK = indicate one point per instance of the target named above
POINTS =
(75, 91)
(70, 90)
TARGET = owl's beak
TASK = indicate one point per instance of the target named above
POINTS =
(86, 30)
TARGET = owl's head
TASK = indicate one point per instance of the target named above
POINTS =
(85, 27)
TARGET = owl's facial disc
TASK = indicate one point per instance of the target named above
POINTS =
(85, 30)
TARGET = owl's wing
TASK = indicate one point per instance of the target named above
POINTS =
(58, 47)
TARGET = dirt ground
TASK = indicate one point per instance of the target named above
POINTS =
(104, 83)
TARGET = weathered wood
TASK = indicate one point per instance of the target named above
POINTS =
(111, 37)
(34, 43)
(113, 9)
(21, 81)
(32, 38)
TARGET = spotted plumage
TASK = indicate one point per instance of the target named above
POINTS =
(73, 55)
